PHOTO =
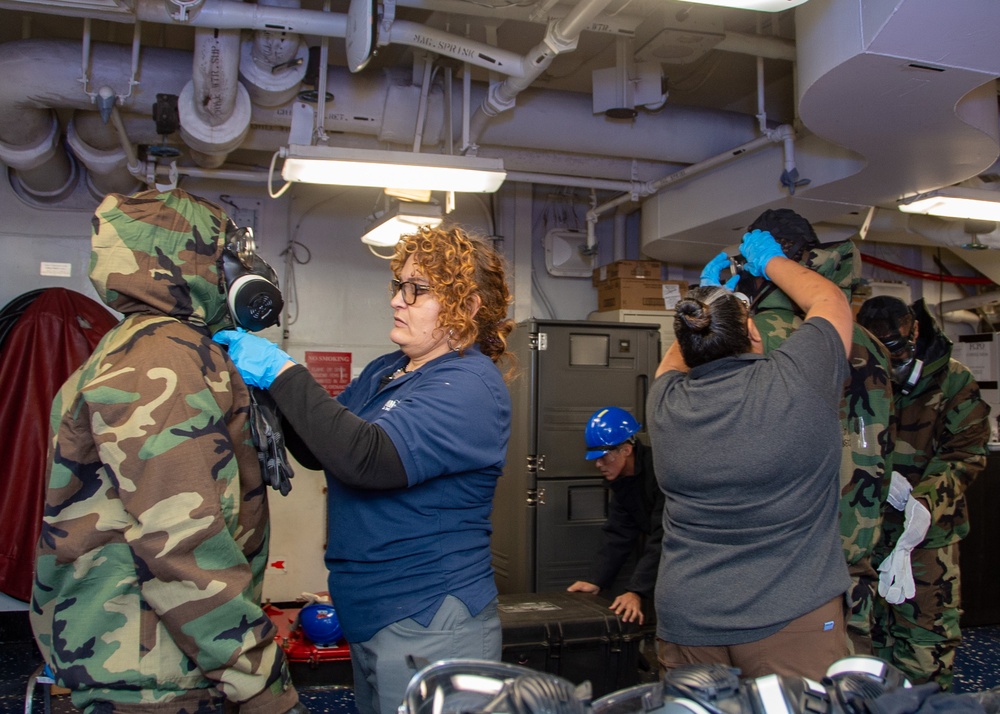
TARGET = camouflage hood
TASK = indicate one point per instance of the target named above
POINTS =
(838, 262)
(933, 346)
(158, 253)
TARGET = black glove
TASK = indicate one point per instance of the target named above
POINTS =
(265, 427)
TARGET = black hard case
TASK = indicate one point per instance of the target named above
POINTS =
(573, 635)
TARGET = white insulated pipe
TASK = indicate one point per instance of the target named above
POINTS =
(214, 107)
(779, 134)
(228, 15)
(480, 54)
(100, 150)
(560, 37)
(273, 63)
(37, 77)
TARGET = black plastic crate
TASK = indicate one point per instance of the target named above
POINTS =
(573, 635)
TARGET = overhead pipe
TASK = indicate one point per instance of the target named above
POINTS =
(28, 117)
(782, 133)
(925, 274)
(274, 62)
(688, 134)
(29, 128)
(480, 54)
(228, 15)
(214, 106)
(99, 148)
(561, 36)
(970, 303)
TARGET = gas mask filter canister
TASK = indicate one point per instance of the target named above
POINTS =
(252, 293)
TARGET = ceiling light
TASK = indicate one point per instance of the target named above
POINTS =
(759, 5)
(401, 219)
(955, 202)
(391, 169)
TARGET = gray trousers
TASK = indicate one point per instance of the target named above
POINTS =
(381, 671)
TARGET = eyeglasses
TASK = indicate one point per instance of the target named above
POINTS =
(410, 290)
(609, 452)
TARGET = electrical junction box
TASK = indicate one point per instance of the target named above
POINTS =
(643, 86)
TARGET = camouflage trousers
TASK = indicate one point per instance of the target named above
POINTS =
(920, 636)
(860, 605)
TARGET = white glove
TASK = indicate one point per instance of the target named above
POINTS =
(895, 583)
(899, 491)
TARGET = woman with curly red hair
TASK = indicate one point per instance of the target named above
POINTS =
(412, 450)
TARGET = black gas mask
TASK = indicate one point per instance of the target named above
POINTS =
(251, 284)
(905, 368)
(255, 303)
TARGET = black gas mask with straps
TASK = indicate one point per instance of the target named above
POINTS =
(255, 303)
(904, 366)
(252, 293)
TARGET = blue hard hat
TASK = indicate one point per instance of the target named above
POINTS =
(320, 623)
(608, 428)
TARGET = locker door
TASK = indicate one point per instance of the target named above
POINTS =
(581, 367)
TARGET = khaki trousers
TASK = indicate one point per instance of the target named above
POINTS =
(805, 647)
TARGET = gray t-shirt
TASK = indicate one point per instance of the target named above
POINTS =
(747, 450)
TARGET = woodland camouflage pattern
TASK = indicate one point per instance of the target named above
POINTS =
(151, 558)
(941, 447)
(867, 425)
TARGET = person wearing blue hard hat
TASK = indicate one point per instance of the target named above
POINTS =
(635, 511)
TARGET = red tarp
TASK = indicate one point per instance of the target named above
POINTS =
(53, 337)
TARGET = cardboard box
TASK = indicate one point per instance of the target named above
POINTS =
(651, 269)
(639, 294)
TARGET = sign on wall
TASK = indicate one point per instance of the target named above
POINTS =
(330, 369)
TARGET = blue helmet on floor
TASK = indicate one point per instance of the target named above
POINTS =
(608, 428)
(320, 624)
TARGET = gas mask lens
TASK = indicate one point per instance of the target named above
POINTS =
(243, 245)
(252, 292)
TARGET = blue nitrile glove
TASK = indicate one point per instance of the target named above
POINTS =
(257, 359)
(758, 247)
(710, 275)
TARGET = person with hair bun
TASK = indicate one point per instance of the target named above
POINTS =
(412, 450)
(747, 449)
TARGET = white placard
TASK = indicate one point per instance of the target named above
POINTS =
(56, 270)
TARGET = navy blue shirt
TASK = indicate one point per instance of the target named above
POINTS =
(396, 554)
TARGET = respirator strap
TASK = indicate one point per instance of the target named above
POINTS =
(911, 381)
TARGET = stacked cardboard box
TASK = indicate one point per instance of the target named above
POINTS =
(646, 269)
(636, 285)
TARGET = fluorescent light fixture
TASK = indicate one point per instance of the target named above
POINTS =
(955, 202)
(391, 169)
(759, 5)
(399, 220)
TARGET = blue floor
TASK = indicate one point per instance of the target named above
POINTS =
(977, 668)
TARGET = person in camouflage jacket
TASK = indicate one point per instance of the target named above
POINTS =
(150, 563)
(866, 411)
(943, 430)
